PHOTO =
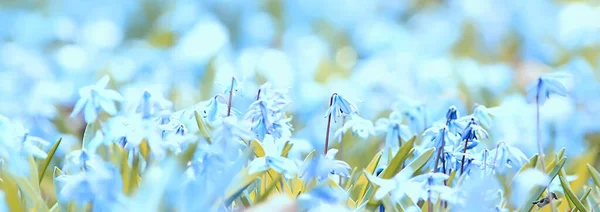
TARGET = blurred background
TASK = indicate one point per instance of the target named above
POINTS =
(384, 54)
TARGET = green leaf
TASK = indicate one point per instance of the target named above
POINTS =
(202, 126)
(259, 152)
(57, 187)
(595, 174)
(583, 199)
(561, 153)
(188, 155)
(269, 189)
(539, 190)
(286, 149)
(28, 191)
(33, 175)
(48, 159)
(569, 193)
(88, 134)
(362, 182)
(421, 160)
(396, 164)
(532, 163)
(389, 204)
(134, 175)
(11, 191)
(234, 191)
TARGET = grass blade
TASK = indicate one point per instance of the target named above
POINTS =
(48, 159)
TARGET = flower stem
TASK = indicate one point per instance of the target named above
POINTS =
(539, 142)
(328, 125)
(440, 153)
(229, 103)
(462, 164)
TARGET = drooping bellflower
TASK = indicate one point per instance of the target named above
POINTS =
(545, 86)
(340, 107)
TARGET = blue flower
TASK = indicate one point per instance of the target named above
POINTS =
(153, 105)
(95, 97)
(102, 188)
(267, 113)
(232, 134)
(361, 127)
(16, 145)
(544, 86)
(321, 167)
(273, 159)
(321, 195)
(394, 129)
(340, 107)
(396, 187)
(432, 186)
(473, 131)
(507, 156)
(81, 160)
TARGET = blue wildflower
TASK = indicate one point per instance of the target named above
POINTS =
(321, 195)
(432, 186)
(102, 188)
(394, 129)
(16, 145)
(340, 107)
(396, 187)
(473, 131)
(544, 86)
(232, 134)
(267, 112)
(360, 126)
(507, 156)
(273, 159)
(95, 97)
(321, 167)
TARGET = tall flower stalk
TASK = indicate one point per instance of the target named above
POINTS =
(338, 107)
(540, 90)
(328, 125)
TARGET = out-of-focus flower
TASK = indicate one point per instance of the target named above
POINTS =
(546, 85)
(316, 198)
(507, 156)
(153, 105)
(81, 160)
(321, 167)
(232, 134)
(95, 97)
(360, 126)
(394, 129)
(396, 187)
(16, 145)
(524, 182)
(273, 159)
(103, 188)
(432, 186)
(340, 107)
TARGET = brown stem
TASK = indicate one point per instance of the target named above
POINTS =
(440, 151)
(462, 164)
(230, 97)
(328, 124)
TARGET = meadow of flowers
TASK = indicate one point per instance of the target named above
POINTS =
(299, 105)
